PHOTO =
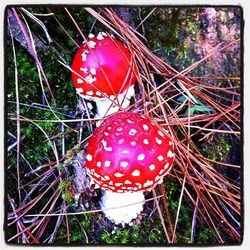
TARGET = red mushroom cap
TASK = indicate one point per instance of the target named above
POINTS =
(105, 63)
(129, 153)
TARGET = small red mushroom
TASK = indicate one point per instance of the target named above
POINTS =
(105, 66)
(129, 153)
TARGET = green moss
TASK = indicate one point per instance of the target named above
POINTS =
(217, 149)
(67, 189)
(128, 235)
(168, 40)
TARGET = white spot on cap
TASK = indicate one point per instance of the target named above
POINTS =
(161, 172)
(124, 164)
(170, 143)
(84, 56)
(118, 175)
(136, 172)
(91, 44)
(145, 141)
(157, 178)
(79, 90)
(160, 180)
(170, 154)
(119, 129)
(119, 191)
(93, 71)
(98, 164)
(160, 158)
(141, 157)
(88, 172)
(79, 80)
(107, 163)
(158, 141)
(112, 97)
(121, 141)
(148, 183)
(100, 36)
(106, 177)
(127, 182)
(91, 35)
(90, 79)
(103, 33)
(160, 133)
(166, 166)
(129, 121)
(109, 128)
(96, 175)
(106, 133)
(84, 70)
(145, 127)
(139, 185)
(152, 167)
(89, 157)
(98, 93)
(118, 184)
(104, 143)
(111, 183)
(132, 131)
(133, 143)
(125, 151)
(89, 92)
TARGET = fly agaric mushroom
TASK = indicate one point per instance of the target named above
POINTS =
(128, 154)
(104, 71)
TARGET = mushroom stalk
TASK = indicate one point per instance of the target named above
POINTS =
(122, 208)
(105, 106)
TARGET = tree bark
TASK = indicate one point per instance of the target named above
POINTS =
(15, 29)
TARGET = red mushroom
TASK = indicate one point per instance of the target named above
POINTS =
(103, 67)
(129, 153)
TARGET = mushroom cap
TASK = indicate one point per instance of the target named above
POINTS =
(106, 66)
(128, 153)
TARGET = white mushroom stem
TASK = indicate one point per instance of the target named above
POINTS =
(122, 208)
(105, 106)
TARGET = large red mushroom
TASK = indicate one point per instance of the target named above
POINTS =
(103, 70)
(128, 154)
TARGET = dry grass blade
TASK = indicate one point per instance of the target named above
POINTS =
(161, 216)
